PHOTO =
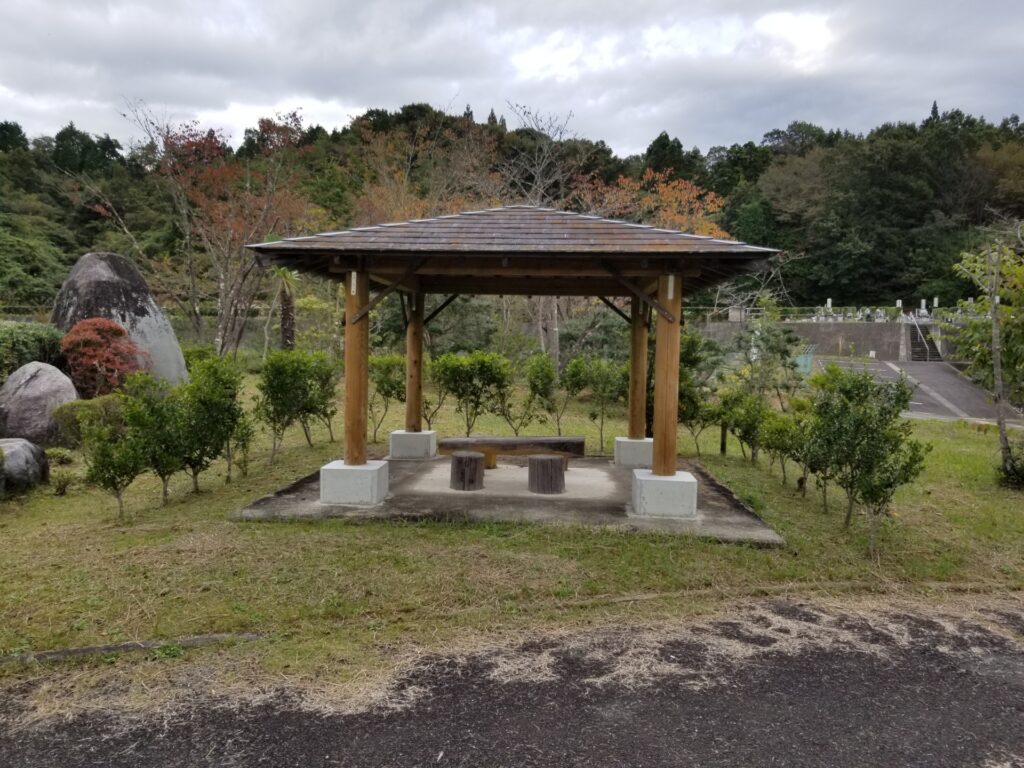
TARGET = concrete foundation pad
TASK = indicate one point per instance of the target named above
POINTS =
(597, 493)
(413, 445)
(664, 495)
(634, 452)
(354, 484)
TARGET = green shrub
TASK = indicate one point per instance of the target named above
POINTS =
(70, 417)
(154, 413)
(387, 375)
(477, 381)
(114, 457)
(60, 481)
(606, 381)
(240, 443)
(278, 404)
(60, 457)
(22, 343)
(196, 353)
(210, 410)
(296, 386)
(321, 393)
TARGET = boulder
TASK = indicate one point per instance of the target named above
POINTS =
(109, 285)
(28, 399)
(25, 465)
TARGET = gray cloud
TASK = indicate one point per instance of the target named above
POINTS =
(708, 72)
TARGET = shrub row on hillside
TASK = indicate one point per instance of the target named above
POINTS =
(22, 343)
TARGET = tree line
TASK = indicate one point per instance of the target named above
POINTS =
(863, 218)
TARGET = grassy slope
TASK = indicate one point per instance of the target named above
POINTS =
(329, 592)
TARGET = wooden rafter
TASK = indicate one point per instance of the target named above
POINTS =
(633, 288)
(391, 288)
(611, 305)
(441, 308)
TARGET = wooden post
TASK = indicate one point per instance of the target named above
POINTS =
(666, 377)
(357, 374)
(637, 369)
(414, 365)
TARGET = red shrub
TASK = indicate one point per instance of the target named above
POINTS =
(100, 356)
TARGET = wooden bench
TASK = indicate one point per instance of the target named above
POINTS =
(492, 447)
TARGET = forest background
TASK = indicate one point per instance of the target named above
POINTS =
(862, 219)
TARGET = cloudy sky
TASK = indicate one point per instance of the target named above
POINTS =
(710, 72)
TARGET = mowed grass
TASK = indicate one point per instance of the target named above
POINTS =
(331, 595)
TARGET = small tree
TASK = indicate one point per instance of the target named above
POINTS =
(387, 375)
(153, 414)
(864, 442)
(893, 460)
(114, 456)
(277, 405)
(551, 391)
(780, 437)
(476, 381)
(699, 359)
(210, 409)
(743, 413)
(606, 381)
(993, 339)
(240, 443)
(432, 405)
(319, 387)
(520, 409)
(100, 356)
(286, 282)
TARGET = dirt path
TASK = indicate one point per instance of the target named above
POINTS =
(773, 683)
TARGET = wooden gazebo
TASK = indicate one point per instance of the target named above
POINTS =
(518, 250)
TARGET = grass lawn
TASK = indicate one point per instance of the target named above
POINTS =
(335, 599)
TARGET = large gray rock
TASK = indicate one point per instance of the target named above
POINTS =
(109, 285)
(28, 399)
(25, 464)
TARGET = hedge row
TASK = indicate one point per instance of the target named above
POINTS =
(21, 343)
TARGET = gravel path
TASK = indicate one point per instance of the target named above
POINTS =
(772, 684)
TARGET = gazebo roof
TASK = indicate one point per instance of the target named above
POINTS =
(517, 249)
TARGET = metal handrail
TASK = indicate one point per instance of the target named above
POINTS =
(920, 335)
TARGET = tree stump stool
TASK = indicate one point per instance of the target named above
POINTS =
(467, 471)
(546, 473)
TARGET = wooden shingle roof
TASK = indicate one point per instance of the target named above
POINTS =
(515, 249)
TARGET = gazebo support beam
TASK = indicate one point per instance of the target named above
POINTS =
(414, 365)
(357, 374)
(355, 480)
(637, 369)
(413, 442)
(666, 378)
(662, 491)
(635, 450)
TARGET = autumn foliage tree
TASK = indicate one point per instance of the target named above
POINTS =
(100, 356)
(655, 198)
(224, 200)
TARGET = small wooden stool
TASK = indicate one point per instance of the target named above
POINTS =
(467, 471)
(546, 473)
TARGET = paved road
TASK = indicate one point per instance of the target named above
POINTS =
(941, 391)
(773, 684)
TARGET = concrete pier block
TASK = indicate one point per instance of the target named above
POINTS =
(634, 452)
(664, 495)
(413, 445)
(359, 484)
